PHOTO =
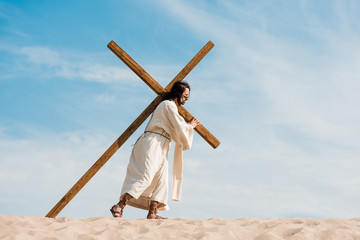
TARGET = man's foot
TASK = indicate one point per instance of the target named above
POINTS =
(153, 211)
(154, 216)
(118, 209)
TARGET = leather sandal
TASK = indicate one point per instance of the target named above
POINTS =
(153, 211)
(118, 209)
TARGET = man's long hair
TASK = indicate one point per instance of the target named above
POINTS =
(177, 90)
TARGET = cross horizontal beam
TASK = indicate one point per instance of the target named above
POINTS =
(157, 88)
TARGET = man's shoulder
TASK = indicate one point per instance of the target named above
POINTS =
(168, 104)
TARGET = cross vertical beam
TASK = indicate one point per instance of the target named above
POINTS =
(129, 131)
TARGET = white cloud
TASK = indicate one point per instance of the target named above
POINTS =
(36, 172)
(298, 86)
(281, 102)
(75, 67)
(45, 62)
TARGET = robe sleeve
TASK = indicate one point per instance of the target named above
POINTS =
(182, 134)
(180, 131)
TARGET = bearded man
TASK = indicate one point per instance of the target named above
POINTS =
(146, 182)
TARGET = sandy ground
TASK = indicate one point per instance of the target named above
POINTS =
(19, 227)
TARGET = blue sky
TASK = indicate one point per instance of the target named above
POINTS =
(279, 90)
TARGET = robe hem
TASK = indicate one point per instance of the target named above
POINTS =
(144, 203)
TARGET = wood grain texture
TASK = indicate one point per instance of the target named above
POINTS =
(200, 129)
(156, 87)
(136, 68)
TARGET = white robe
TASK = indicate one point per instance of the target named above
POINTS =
(147, 173)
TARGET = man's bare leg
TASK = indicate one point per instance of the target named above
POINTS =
(118, 209)
(153, 211)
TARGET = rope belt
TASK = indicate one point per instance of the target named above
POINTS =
(161, 134)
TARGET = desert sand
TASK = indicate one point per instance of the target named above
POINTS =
(20, 227)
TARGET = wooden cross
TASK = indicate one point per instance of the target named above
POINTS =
(138, 70)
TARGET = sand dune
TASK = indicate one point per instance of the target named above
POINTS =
(19, 227)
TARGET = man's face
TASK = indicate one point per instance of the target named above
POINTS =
(184, 97)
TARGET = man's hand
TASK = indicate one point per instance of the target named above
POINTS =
(194, 122)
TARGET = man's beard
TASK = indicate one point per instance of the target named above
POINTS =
(180, 103)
